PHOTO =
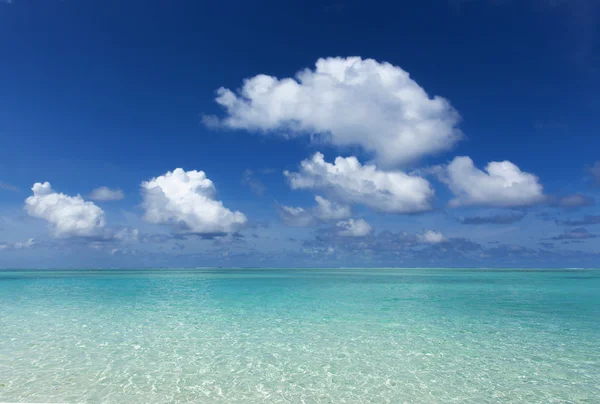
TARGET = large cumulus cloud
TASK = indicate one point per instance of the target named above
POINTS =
(349, 101)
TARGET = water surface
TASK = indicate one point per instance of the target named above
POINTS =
(314, 336)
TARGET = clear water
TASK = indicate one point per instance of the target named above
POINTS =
(314, 336)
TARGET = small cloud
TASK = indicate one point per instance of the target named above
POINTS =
(295, 216)
(432, 237)
(353, 228)
(20, 245)
(249, 179)
(327, 210)
(106, 194)
(494, 219)
(127, 235)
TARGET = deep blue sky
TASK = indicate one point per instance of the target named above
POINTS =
(112, 93)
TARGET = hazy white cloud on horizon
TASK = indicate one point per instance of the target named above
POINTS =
(348, 102)
(68, 216)
(106, 194)
(500, 184)
(186, 201)
(350, 182)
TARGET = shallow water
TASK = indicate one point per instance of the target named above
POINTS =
(314, 336)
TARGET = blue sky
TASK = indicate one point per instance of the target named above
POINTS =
(348, 133)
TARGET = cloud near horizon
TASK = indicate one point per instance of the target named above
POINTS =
(185, 200)
(350, 182)
(68, 216)
(500, 184)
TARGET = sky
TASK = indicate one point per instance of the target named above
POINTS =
(431, 133)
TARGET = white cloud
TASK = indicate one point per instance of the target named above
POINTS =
(186, 201)
(500, 184)
(432, 237)
(127, 235)
(106, 194)
(349, 101)
(295, 216)
(24, 244)
(324, 210)
(18, 245)
(327, 210)
(68, 216)
(353, 183)
(353, 228)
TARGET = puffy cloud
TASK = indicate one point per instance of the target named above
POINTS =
(349, 181)
(502, 184)
(432, 237)
(349, 101)
(295, 216)
(186, 201)
(353, 228)
(68, 216)
(494, 219)
(106, 194)
(327, 210)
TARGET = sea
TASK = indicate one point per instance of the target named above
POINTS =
(366, 335)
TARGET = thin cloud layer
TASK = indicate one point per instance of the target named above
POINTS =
(586, 221)
(327, 210)
(186, 201)
(68, 216)
(19, 245)
(295, 216)
(106, 194)
(575, 201)
(500, 184)
(494, 219)
(350, 182)
(349, 102)
(578, 233)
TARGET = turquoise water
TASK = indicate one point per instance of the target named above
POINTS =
(314, 336)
